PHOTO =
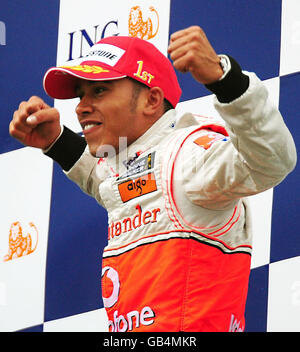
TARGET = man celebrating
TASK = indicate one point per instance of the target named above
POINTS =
(179, 234)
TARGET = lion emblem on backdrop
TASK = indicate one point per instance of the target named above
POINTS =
(19, 244)
(137, 27)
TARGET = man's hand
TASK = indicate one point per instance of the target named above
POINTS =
(191, 52)
(35, 123)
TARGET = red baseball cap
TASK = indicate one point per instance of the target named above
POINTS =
(115, 58)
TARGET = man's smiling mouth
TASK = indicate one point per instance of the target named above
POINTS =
(90, 126)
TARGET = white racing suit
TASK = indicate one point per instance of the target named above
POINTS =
(179, 233)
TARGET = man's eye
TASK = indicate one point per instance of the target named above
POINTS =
(99, 90)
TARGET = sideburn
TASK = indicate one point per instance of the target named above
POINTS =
(136, 90)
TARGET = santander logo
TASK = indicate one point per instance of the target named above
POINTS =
(131, 223)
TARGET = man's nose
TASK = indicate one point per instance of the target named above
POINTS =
(84, 107)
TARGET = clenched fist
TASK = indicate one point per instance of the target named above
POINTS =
(191, 52)
(35, 123)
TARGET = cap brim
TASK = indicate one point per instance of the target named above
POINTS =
(61, 82)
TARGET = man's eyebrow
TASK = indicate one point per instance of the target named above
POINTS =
(105, 82)
(95, 82)
(78, 85)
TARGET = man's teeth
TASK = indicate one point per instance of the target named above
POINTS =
(86, 127)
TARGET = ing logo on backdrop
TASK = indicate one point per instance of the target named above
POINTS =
(20, 244)
(137, 27)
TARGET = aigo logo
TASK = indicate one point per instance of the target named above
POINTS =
(137, 187)
(127, 322)
(20, 245)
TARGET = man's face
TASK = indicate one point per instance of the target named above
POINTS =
(107, 111)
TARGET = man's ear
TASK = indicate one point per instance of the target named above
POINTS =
(154, 101)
